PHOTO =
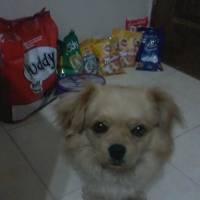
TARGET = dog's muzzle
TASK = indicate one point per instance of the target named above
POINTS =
(117, 152)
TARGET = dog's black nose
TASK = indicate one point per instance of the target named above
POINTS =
(117, 152)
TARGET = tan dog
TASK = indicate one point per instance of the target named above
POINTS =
(118, 138)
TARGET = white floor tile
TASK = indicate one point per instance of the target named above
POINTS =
(10, 126)
(42, 144)
(132, 77)
(184, 84)
(47, 113)
(188, 103)
(186, 156)
(174, 186)
(17, 180)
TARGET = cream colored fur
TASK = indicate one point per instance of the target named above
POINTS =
(120, 107)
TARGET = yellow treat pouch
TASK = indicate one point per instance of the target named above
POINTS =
(115, 57)
(108, 57)
(128, 45)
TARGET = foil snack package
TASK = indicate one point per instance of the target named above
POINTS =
(72, 62)
(115, 57)
(108, 57)
(89, 58)
(128, 45)
(149, 54)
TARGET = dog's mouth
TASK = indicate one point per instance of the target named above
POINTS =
(117, 163)
(115, 166)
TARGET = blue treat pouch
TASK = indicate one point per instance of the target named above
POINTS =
(149, 54)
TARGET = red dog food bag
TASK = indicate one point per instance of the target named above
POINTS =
(134, 24)
(28, 59)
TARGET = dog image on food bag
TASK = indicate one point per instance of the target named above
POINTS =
(118, 138)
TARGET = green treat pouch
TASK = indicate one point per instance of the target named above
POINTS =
(72, 62)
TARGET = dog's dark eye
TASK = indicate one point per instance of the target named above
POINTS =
(138, 130)
(100, 127)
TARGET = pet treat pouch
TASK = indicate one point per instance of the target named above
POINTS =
(72, 61)
(128, 45)
(149, 54)
(28, 58)
(115, 57)
(89, 58)
(108, 57)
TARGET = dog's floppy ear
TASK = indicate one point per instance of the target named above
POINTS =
(168, 110)
(71, 110)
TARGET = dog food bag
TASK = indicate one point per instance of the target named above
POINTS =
(108, 58)
(89, 58)
(134, 24)
(149, 54)
(128, 45)
(28, 61)
(72, 61)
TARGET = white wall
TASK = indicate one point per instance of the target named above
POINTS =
(86, 17)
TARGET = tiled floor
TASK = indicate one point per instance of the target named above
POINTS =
(32, 165)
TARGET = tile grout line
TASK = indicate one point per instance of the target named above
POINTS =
(29, 164)
(18, 126)
(187, 131)
(185, 175)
